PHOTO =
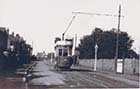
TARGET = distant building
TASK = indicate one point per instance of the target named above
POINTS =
(41, 55)
(50, 55)
(3, 45)
(3, 38)
(11, 41)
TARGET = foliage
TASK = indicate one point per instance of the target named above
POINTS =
(106, 41)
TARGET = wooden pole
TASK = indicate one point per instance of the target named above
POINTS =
(117, 43)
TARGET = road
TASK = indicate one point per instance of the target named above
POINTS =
(44, 77)
(77, 77)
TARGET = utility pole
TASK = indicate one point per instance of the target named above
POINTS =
(75, 40)
(117, 42)
(32, 43)
(139, 57)
(74, 47)
(32, 46)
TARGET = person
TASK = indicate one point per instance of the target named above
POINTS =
(76, 56)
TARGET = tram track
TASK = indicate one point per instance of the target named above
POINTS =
(80, 79)
(88, 79)
(111, 83)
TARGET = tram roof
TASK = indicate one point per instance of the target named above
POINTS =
(63, 43)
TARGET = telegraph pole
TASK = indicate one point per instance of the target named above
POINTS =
(32, 46)
(117, 43)
(32, 43)
(75, 39)
(139, 57)
(75, 42)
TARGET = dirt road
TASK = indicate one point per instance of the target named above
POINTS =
(44, 77)
(78, 77)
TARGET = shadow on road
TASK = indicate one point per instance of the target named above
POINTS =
(35, 77)
(81, 70)
(76, 70)
(38, 76)
(34, 71)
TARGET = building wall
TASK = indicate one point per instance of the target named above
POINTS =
(3, 38)
(3, 45)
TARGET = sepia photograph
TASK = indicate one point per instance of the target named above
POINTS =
(69, 44)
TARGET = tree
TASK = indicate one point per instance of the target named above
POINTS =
(106, 40)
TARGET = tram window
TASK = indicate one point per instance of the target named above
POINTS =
(65, 52)
(60, 52)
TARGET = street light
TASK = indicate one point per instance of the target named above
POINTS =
(95, 62)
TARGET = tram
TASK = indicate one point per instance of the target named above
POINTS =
(63, 50)
(63, 54)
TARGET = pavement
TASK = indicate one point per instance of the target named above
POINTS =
(14, 79)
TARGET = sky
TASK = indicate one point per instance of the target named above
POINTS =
(40, 21)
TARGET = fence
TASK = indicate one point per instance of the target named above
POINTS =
(131, 66)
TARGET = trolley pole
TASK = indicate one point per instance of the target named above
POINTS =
(95, 61)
